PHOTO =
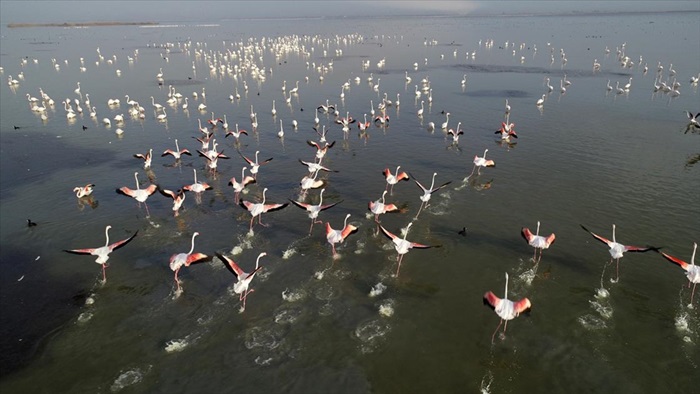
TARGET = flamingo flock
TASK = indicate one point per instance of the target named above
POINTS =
(319, 176)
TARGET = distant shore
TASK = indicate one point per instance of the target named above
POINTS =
(80, 24)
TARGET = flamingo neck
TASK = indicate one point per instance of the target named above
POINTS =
(538, 229)
(192, 246)
(107, 235)
(433, 182)
(345, 223)
(614, 234)
(195, 175)
(136, 177)
(264, 191)
(692, 259)
(505, 296)
(257, 261)
(177, 146)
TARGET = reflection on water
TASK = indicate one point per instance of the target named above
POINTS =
(588, 155)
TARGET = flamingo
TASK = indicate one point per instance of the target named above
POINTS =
(363, 125)
(197, 187)
(146, 158)
(401, 245)
(507, 107)
(315, 167)
(421, 110)
(244, 278)
(178, 198)
(320, 151)
(482, 162)
(692, 270)
(428, 192)
(338, 236)
(392, 179)
(507, 131)
(310, 182)
(239, 186)
(255, 165)
(314, 210)
(177, 153)
(274, 110)
(617, 249)
(237, 133)
(155, 105)
(540, 101)
(537, 241)
(455, 134)
(257, 209)
(693, 119)
(505, 308)
(83, 191)
(178, 260)
(140, 195)
(447, 120)
(103, 252)
(379, 207)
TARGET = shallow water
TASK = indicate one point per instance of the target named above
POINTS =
(319, 324)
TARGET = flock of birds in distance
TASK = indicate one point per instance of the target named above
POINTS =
(241, 62)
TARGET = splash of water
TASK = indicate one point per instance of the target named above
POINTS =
(486, 381)
(377, 289)
(293, 295)
(288, 253)
(386, 309)
(129, 378)
(591, 322)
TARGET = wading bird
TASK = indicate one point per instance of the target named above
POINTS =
(402, 245)
(692, 270)
(537, 241)
(244, 278)
(103, 252)
(179, 260)
(505, 308)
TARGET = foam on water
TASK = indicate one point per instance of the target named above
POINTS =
(681, 322)
(129, 378)
(176, 345)
(288, 316)
(605, 311)
(486, 381)
(293, 295)
(370, 334)
(244, 243)
(386, 308)
(84, 317)
(377, 289)
(288, 253)
(591, 322)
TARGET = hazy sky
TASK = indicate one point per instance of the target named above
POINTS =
(214, 11)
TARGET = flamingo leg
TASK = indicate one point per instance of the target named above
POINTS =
(419, 209)
(260, 221)
(692, 294)
(148, 214)
(617, 270)
(104, 274)
(251, 223)
(177, 281)
(399, 267)
(333, 249)
(493, 337)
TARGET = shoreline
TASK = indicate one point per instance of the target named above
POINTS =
(80, 24)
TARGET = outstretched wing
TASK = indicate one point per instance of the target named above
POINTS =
(123, 242)
(676, 260)
(231, 265)
(491, 300)
(596, 236)
(388, 233)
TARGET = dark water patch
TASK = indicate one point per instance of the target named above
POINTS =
(488, 68)
(32, 156)
(499, 93)
(34, 306)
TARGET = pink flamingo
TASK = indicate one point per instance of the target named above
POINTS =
(239, 186)
(244, 278)
(255, 165)
(481, 162)
(315, 167)
(179, 260)
(320, 151)
(617, 249)
(692, 270)
(392, 179)
(507, 131)
(103, 252)
(178, 198)
(428, 192)
(338, 236)
(177, 153)
(197, 187)
(537, 241)
(257, 209)
(379, 207)
(146, 158)
(505, 308)
(314, 210)
(401, 245)
(82, 191)
(140, 195)
(237, 133)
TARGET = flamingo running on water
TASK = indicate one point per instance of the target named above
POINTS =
(320, 151)
(379, 207)
(692, 270)
(392, 179)
(455, 134)
(315, 167)
(239, 186)
(338, 236)
(257, 209)
(507, 131)
(314, 210)
(505, 308)
(178, 198)
(140, 195)
(617, 249)
(482, 162)
(428, 192)
(244, 278)
(255, 165)
(537, 241)
(146, 158)
(103, 252)
(177, 153)
(237, 133)
(178, 260)
(82, 191)
(401, 245)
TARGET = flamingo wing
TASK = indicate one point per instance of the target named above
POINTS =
(312, 143)
(247, 205)
(196, 258)
(630, 248)
(492, 300)
(231, 265)
(676, 260)
(250, 162)
(273, 207)
(126, 191)
(598, 237)
(168, 193)
(349, 229)
(522, 305)
(527, 234)
(422, 246)
(81, 251)
(324, 207)
(121, 243)
(301, 205)
(151, 189)
(440, 187)
(388, 233)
